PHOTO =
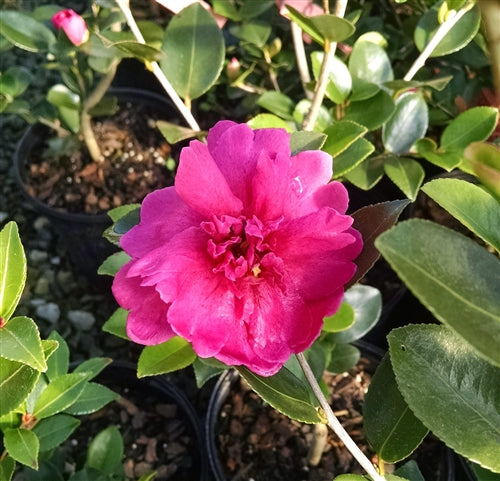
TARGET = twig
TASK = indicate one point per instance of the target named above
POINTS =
(334, 423)
(453, 17)
(300, 55)
(158, 72)
(319, 91)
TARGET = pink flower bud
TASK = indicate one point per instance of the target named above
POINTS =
(233, 69)
(73, 25)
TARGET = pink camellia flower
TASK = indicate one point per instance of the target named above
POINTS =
(74, 26)
(245, 255)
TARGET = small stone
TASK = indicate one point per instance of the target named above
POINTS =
(3, 216)
(38, 257)
(49, 312)
(65, 280)
(41, 223)
(82, 320)
(42, 287)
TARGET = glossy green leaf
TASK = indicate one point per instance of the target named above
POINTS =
(176, 133)
(285, 392)
(105, 452)
(303, 140)
(269, 121)
(93, 397)
(254, 32)
(204, 371)
(436, 83)
(391, 427)
(406, 173)
(194, 51)
(483, 474)
(473, 125)
(14, 81)
(16, 382)
(341, 320)
(339, 78)
(470, 204)
(302, 109)
(22, 445)
(351, 157)
(343, 358)
(277, 103)
(49, 347)
(132, 49)
(25, 32)
(371, 221)
(128, 217)
(366, 302)
(331, 27)
(7, 465)
(113, 264)
(372, 112)
(369, 61)
(12, 270)
(61, 96)
(410, 470)
(457, 38)
(450, 389)
(451, 275)
(483, 160)
(93, 366)
(363, 90)
(58, 362)
(169, 356)
(367, 174)
(53, 431)
(342, 135)
(117, 323)
(428, 149)
(59, 395)
(407, 124)
(20, 341)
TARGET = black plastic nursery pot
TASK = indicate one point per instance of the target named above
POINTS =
(241, 461)
(159, 425)
(80, 234)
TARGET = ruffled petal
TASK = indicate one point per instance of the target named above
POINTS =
(163, 215)
(201, 184)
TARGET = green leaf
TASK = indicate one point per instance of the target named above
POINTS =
(12, 270)
(22, 445)
(7, 465)
(391, 427)
(369, 61)
(20, 341)
(169, 356)
(268, 121)
(406, 173)
(285, 392)
(194, 52)
(451, 275)
(450, 389)
(428, 149)
(58, 362)
(331, 27)
(438, 84)
(176, 133)
(339, 78)
(367, 174)
(141, 51)
(408, 123)
(53, 431)
(113, 263)
(204, 371)
(25, 32)
(105, 452)
(483, 160)
(371, 221)
(92, 367)
(410, 470)
(60, 394)
(366, 302)
(254, 32)
(457, 38)
(302, 109)
(61, 96)
(129, 217)
(277, 103)
(347, 160)
(303, 140)
(117, 324)
(14, 81)
(341, 320)
(16, 382)
(341, 135)
(93, 397)
(473, 125)
(372, 112)
(470, 204)
(343, 358)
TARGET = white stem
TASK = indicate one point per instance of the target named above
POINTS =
(300, 55)
(334, 423)
(453, 17)
(186, 113)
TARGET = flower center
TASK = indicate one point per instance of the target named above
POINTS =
(239, 246)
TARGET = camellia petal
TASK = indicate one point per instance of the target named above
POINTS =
(245, 256)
